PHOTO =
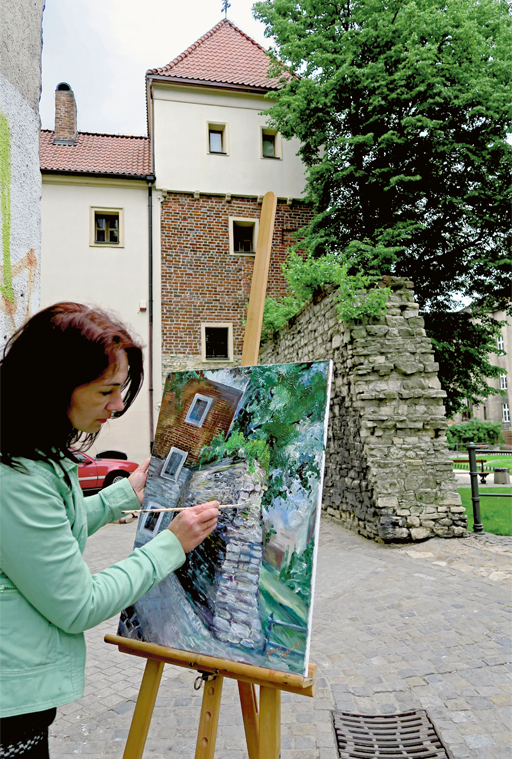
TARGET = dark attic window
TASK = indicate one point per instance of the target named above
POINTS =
(243, 237)
(106, 228)
(217, 342)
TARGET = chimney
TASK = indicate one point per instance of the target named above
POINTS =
(65, 115)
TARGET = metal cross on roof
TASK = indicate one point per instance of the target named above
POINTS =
(225, 6)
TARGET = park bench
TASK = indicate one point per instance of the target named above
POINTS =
(481, 473)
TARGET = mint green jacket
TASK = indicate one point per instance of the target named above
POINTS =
(48, 597)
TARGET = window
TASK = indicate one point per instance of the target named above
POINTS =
(270, 144)
(467, 412)
(198, 410)
(217, 138)
(106, 227)
(173, 463)
(503, 382)
(216, 341)
(506, 412)
(152, 520)
(501, 344)
(243, 234)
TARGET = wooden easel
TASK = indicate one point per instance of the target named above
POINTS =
(262, 724)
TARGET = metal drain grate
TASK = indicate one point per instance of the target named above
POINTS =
(410, 735)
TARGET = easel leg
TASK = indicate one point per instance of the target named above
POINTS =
(270, 723)
(251, 717)
(144, 710)
(207, 735)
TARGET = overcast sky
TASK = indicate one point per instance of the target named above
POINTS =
(102, 49)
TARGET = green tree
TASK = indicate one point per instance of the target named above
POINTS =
(402, 108)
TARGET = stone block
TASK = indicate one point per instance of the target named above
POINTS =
(449, 499)
(408, 367)
(420, 533)
(390, 502)
(377, 330)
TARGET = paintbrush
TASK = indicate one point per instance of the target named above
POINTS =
(183, 508)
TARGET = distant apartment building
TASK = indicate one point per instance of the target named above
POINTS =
(497, 407)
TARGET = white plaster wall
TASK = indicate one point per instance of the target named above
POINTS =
(20, 181)
(182, 162)
(20, 214)
(114, 278)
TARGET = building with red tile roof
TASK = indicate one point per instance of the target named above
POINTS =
(97, 154)
(224, 56)
(215, 157)
(171, 219)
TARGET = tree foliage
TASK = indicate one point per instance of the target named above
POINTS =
(402, 108)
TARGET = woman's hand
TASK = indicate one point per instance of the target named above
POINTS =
(194, 524)
(138, 478)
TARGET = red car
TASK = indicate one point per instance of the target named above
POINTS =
(95, 474)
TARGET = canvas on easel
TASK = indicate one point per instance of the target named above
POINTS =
(254, 437)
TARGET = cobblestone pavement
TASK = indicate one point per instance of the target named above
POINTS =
(396, 627)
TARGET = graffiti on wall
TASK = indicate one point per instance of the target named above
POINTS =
(20, 209)
(10, 302)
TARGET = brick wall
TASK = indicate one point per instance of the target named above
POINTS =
(201, 280)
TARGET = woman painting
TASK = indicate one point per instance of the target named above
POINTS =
(65, 373)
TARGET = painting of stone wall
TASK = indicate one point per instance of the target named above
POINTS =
(246, 593)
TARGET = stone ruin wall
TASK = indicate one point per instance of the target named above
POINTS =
(388, 473)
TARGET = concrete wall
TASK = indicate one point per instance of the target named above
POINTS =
(20, 180)
(182, 162)
(113, 278)
(388, 473)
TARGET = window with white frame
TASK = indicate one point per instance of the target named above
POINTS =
(198, 410)
(153, 519)
(503, 382)
(501, 343)
(506, 412)
(217, 138)
(173, 464)
(106, 227)
(243, 235)
(217, 341)
(270, 143)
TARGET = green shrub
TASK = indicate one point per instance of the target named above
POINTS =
(475, 431)
(357, 295)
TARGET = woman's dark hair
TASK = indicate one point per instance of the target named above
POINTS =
(59, 349)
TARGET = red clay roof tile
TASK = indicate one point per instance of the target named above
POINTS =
(97, 154)
(225, 55)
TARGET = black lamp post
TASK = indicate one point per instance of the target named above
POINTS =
(477, 522)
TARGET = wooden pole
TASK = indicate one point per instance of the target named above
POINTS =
(143, 710)
(252, 338)
(270, 723)
(249, 704)
(208, 723)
